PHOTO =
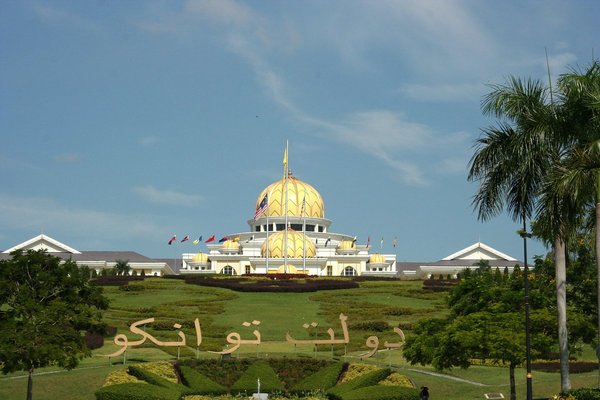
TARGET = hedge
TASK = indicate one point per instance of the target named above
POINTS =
(269, 382)
(586, 394)
(268, 285)
(323, 379)
(200, 384)
(380, 392)
(370, 379)
(136, 391)
(156, 380)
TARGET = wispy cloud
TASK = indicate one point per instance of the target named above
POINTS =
(443, 92)
(35, 214)
(67, 158)
(169, 197)
(54, 15)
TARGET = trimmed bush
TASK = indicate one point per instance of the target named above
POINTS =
(379, 392)
(370, 379)
(136, 391)
(586, 394)
(323, 379)
(154, 379)
(200, 384)
(269, 382)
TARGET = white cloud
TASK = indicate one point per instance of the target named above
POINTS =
(154, 195)
(53, 15)
(35, 214)
(443, 92)
(149, 141)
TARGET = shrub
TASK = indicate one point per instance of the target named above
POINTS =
(357, 369)
(370, 379)
(379, 392)
(154, 379)
(269, 382)
(224, 372)
(136, 391)
(396, 379)
(121, 376)
(93, 340)
(199, 383)
(292, 370)
(586, 394)
(323, 379)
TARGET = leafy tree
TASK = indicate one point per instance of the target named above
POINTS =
(122, 267)
(485, 307)
(47, 305)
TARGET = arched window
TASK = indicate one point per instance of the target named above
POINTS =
(349, 271)
(228, 270)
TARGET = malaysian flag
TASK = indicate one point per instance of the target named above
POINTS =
(262, 207)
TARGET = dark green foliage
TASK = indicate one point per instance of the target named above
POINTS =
(224, 372)
(369, 379)
(46, 305)
(575, 367)
(269, 382)
(586, 394)
(154, 379)
(323, 379)
(136, 391)
(267, 284)
(371, 326)
(93, 340)
(200, 384)
(291, 370)
(382, 392)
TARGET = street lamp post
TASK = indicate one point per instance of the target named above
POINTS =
(526, 235)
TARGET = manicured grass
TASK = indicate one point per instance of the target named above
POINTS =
(222, 311)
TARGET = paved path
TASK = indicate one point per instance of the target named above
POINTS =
(454, 378)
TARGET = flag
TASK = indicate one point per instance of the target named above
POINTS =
(382, 243)
(395, 242)
(262, 207)
(327, 241)
(354, 240)
(224, 238)
(369, 241)
(285, 161)
(195, 242)
(210, 239)
(174, 238)
(185, 239)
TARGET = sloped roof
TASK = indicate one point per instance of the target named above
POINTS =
(479, 251)
(43, 242)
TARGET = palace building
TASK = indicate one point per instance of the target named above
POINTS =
(289, 234)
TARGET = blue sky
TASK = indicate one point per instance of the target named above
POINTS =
(123, 123)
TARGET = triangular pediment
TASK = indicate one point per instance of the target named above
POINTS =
(43, 242)
(479, 251)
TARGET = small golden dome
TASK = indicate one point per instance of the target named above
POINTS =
(200, 257)
(377, 259)
(231, 244)
(297, 192)
(295, 245)
(347, 244)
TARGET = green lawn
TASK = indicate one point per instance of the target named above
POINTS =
(222, 311)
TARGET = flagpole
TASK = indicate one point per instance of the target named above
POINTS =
(268, 201)
(285, 176)
(304, 235)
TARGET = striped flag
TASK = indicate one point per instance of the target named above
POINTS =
(262, 207)
(195, 242)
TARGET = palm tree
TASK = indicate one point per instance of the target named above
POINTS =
(122, 267)
(511, 162)
(578, 176)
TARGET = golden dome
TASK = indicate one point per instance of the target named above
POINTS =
(200, 257)
(295, 245)
(347, 245)
(297, 191)
(231, 244)
(377, 259)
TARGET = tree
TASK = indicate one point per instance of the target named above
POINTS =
(122, 267)
(485, 307)
(511, 161)
(47, 305)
